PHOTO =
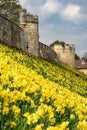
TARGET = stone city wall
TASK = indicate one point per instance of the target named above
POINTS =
(11, 34)
(25, 37)
(47, 52)
(66, 53)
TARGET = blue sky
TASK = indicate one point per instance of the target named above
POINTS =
(63, 20)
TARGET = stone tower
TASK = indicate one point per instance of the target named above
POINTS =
(29, 24)
(65, 53)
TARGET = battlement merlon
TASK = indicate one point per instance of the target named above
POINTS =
(27, 17)
(70, 46)
(64, 46)
(22, 15)
(31, 18)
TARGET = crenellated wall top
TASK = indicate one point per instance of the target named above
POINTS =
(64, 47)
(27, 17)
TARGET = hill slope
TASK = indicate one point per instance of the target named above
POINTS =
(39, 95)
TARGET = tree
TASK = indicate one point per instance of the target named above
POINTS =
(57, 43)
(85, 56)
(10, 9)
(77, 57)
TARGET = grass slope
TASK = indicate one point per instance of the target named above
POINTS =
(40, 95)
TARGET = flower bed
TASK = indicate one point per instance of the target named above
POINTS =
(37, 95)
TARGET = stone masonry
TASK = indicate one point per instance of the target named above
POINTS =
(26, 38)
(11, 34)
(46, 52)
(29, 24)
(65, 53)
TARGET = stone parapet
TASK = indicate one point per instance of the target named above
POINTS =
(47, 52)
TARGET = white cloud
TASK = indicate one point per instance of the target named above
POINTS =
(23, 2)
(52, 6)
(48, 9)
(71, 12)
